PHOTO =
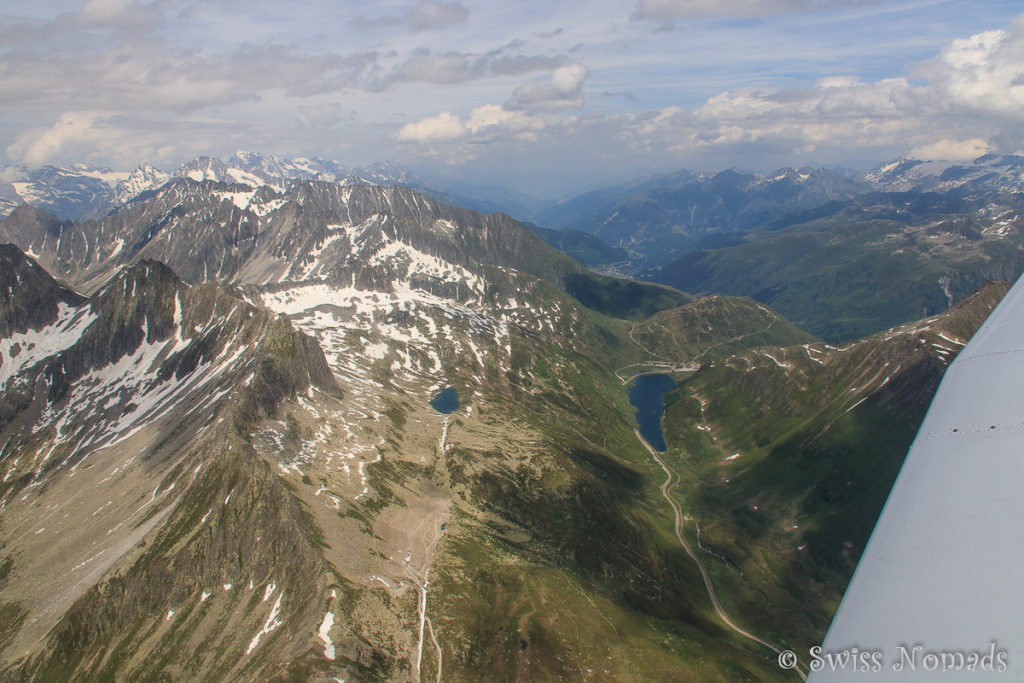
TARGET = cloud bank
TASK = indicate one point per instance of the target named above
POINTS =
(559, 88)
(967, 100)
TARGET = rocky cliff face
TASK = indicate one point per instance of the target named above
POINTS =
(30, 297)
(206, 230)
(120, 411)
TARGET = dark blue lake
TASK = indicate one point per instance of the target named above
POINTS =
(646, 395)
(446, 401)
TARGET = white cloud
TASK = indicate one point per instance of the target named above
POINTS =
(153, 78)
(435, 15)
(451, 67)
(956, 106)
(836, 114)
(127, 16)
(75, 134)
(10, 174)
(74, 130)
(951, 150)
(106, 10)
(563, 90)
(983, 73)
(963, 103)
(120, 78)
(444, 126)
(487, 116)
(325, 114)
(514, 65)
(489, 124)
(108, 138)
(447, 68)
(567, 80)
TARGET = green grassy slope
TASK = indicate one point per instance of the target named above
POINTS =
(845, 276)
(789, 454)
(621, 298)
(714, 327)
(560, 560)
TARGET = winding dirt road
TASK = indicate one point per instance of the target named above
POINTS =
(693, 364)
(671, 481)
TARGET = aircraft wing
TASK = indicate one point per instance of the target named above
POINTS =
(941, 582)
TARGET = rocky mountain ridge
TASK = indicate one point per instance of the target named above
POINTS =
(113, 412)
(667, 216)
(989, 173)
(82, 191)
(852, 268)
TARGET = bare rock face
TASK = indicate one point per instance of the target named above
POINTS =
(29, 296)
(206, 230)
(129, 382)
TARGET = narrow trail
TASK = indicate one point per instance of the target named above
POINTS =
(632, 328)
(423, 616)
(671, 481)
(742, 336)
(421, 578)
(442, 445)
(693, 364)
(436, 646)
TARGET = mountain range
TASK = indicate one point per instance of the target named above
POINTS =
(697, 201)
(666, 217)
(82, 191)
(220, 459)
(637, 228)
(851, 268)
(252, 447)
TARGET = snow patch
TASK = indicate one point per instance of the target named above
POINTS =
(951, 341)
(36, 345)
(239, 199)
(325, 635)
(269, 626)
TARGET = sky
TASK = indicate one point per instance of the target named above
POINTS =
(540, 96)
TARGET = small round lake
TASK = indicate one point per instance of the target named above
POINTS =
(646, 395)
(446, 401)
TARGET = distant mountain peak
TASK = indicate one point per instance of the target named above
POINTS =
(987, 173)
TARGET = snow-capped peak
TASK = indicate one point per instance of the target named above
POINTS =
(988, 173)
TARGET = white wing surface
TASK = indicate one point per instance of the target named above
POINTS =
(939, 591)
